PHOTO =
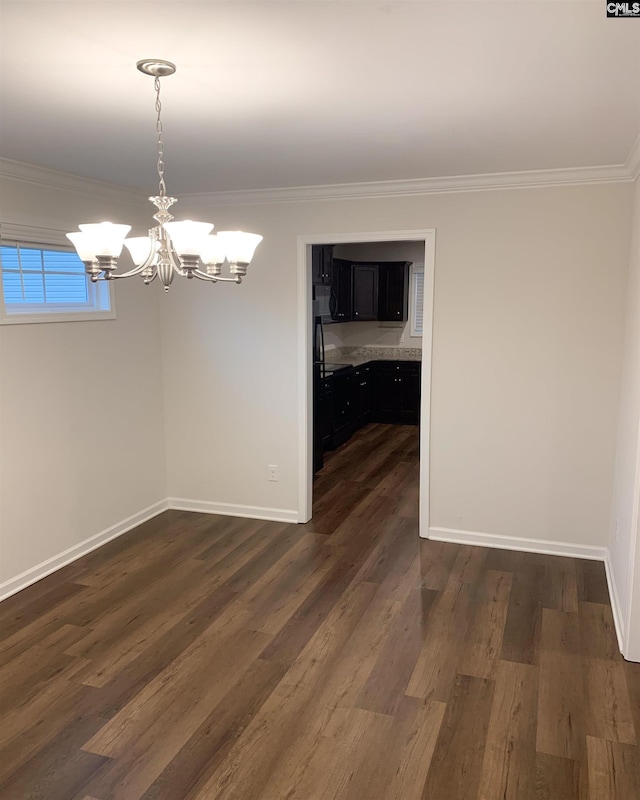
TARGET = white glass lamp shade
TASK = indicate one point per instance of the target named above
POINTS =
(212, 251)
(84, 245)
(104, 238)
(187, 236)
(140, 248)
(239, 246)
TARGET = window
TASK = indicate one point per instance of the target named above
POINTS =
(48, 283)
(417, 299)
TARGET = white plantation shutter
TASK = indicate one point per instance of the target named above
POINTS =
(417, 300)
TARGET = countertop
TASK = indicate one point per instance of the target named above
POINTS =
(360, 355)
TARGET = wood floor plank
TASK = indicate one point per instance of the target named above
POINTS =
(384, 690)
(201, 657)
(560, 778)
(509, 765)
(559, 586)
(561, 696)
(632, 673)
(456, 766)
(285, 715)
(599, 639)
(613, 770)
(443, 642)
(483, 642)
(207, 748)
(592, 581)
(143, 740)
(401, 774)
(608, 709)
(520, 641)
(436, 562)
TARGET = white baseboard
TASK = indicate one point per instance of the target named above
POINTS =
(45, 568)
(233, 510)
(516, 543)
(618, 617)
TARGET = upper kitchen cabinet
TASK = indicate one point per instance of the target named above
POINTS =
(321, 263)
(342, 291)
(393, 291)
(365, 292)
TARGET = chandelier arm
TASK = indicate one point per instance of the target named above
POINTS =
(130, 273)
(203, 276)
(175, 263)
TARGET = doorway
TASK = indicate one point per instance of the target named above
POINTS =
(305, 360)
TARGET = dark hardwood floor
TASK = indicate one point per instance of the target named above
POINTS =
(202, 657)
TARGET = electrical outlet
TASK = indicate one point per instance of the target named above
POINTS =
(273, 472)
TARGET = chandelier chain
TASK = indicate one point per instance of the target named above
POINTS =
(161, 186)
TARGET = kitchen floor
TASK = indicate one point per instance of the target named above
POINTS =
(203, 657)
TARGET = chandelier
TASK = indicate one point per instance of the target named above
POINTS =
(183, 248)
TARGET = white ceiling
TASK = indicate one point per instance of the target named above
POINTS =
(274, 94)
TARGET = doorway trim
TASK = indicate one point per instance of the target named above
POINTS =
(305, 367)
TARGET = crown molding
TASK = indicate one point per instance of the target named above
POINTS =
(43, 176)
(615, 173)
(632, 164)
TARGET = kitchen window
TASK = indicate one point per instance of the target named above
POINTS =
(48, 283)
(416, 310)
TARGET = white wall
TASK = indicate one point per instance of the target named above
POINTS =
(528, 329)
(624, 541)
(528, 333)
(81, 415)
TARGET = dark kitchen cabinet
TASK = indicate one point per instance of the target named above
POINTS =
(362, 395)
(342, 407)
(341, 285)
(393, 291)
(322, 418)
(321, 263)
(377, 391)
(365, 292)
(325, 411)
(397, 392)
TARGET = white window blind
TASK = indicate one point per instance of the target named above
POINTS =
(33, 275)
(48, 283)
(417, 300)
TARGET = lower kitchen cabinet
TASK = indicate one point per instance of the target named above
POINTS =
(343, 407)
(397, 392)
(362, 395)
(378, 391)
